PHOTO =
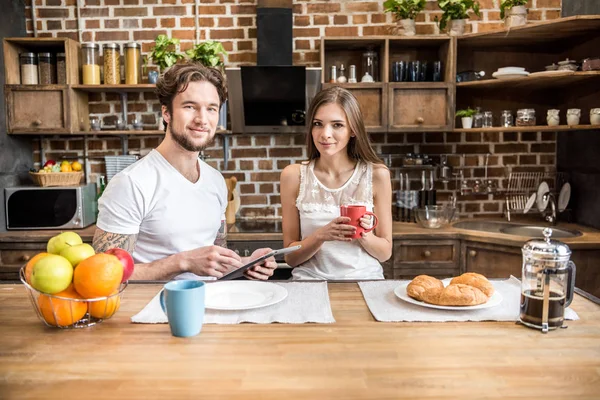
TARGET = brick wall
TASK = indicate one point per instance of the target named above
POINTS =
(257, 160)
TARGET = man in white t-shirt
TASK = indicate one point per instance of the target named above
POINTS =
(168, 209)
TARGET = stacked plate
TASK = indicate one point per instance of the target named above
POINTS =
(510, 73)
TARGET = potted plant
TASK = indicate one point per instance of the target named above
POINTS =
(466, 117)
(517, 13)
(405, 12)
(164, 53)
(456, 12)
(209, 53)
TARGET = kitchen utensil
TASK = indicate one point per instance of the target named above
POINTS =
(355, 213)
(432, 216)
(445, 169)
(183, 303)
(564, 197)
(547, 283)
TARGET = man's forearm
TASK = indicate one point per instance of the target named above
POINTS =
(160, 270)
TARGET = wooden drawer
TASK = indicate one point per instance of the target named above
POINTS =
(17, 257)
(491, 260)
(372, 98)
(439, 258)
(419, 106)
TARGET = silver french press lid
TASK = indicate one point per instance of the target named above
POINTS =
(546, 249)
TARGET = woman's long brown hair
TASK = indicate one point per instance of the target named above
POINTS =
(359, 147)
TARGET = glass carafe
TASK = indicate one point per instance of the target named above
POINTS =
(370, 64)
(547, 284)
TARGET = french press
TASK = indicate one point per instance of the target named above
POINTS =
(548, 282)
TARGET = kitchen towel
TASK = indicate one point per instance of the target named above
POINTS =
(387, 307)
(306, 302)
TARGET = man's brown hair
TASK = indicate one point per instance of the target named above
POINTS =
(177, 78)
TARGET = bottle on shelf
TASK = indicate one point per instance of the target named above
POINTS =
(342, 77)
(133, 63)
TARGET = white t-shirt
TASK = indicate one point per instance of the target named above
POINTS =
(169, 213)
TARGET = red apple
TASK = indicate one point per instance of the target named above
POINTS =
(125, 259)
(49, 163)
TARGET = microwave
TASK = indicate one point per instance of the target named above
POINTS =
(60, 207)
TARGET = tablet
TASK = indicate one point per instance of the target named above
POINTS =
(240, 271)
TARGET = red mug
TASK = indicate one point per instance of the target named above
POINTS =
(355, 213)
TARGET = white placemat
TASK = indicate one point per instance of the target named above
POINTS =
(387, 307)
(306, 302)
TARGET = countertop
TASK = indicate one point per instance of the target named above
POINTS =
(400, 230)
(354, 358)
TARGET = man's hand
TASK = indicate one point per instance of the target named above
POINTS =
(211, 261)
(260, 271)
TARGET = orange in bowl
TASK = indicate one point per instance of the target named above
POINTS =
(105, 308)
(60, 312)
(98, 276)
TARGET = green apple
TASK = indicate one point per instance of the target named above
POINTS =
(78, 253)
(59, 242)
(52, 274)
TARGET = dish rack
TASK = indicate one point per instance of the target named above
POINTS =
(521, 185)
(115, 164)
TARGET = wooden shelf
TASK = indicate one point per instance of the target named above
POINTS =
(535, 33)
(420, 85)
(116, 88)
(358, 85)
(537, 128)
(132, 132)
(532, 82)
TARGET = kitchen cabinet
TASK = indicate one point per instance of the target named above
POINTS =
(491, 260)
(439, 258)
(420, 106)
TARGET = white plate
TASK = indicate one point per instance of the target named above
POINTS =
(541, 204)
(510, 75)
(400, 292)
(511, 69)
(564, 197)
(243, 295)
(530, 203)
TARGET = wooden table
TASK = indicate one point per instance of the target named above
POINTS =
(356, 357)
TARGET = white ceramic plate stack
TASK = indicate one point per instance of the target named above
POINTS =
(564, 197)
(510, 73)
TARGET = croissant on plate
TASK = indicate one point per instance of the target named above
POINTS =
(469, 289)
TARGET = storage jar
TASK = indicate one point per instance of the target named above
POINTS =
(595, 116)
(90, 61)
(29, 69)
(506, 119)
(525, 117)
(573, 115)
(47, 68)
(133, 63)
(61, 69)
(553, 117)
(112, 64)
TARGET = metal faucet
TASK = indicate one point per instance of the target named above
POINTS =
(551, 217)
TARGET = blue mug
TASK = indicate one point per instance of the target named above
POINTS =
(183, 303)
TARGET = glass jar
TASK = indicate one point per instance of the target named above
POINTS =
(342, 75)
(595, 116)
(133, 63)
(506, 119)
(47, 68)
(526, 117)
(112, 64)
(488, 118)
(29, 69)
(478, 118)
(90, 63)
(61, 69)
(370, 64)
(352, 76)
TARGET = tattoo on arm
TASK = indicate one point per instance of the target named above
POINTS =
(106, 240)
(221, 239)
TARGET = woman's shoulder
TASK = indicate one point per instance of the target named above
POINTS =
(291, 172)
(380, 171)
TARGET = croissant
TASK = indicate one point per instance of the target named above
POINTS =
(421, 284)
(455, 295)
(476, 280)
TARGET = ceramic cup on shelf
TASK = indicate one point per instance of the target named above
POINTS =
(595, 116)
(183, 303)
(573, 115)
(553, 117)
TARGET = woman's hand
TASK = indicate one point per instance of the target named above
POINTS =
(366, 222)
(336, 230)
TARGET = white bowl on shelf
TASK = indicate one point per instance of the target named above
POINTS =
(510, 74)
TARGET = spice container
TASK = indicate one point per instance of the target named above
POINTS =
(478, 118)
(333, 74)
(61, 69)
(133, 63)
(525, 117)
(47, 68)
(595, 116)
(112, 64)
(352, 77)
(488, 119)
(506, 119)
(553, 117)
(29, 69)
(90, 61)
(573, 115)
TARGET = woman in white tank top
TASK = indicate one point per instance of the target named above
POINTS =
(342, 169)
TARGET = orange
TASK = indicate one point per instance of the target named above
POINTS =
(76, 166)
(98, 276)
(66, 168)
(62, 312)
(105, 308)
(31, 263)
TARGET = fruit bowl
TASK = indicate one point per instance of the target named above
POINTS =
(67, 312)
(56, 178)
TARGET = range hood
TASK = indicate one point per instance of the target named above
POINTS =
(273, 96)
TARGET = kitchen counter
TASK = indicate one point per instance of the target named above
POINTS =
(356, 357)
(400, 230)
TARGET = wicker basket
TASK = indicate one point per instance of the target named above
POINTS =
(56, 178)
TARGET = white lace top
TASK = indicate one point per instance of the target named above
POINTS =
(318, 205)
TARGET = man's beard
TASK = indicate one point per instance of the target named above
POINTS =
(185, 142)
